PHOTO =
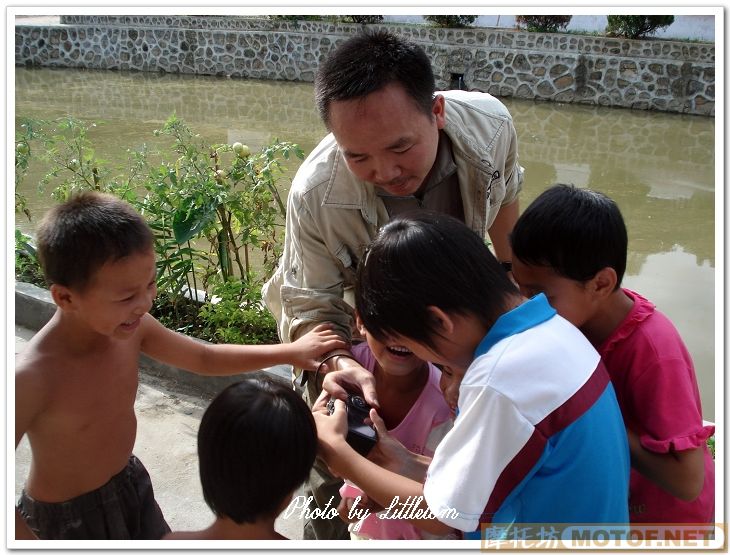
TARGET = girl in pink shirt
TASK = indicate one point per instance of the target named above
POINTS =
(416, 414)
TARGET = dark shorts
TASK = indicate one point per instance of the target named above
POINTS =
(122, 509)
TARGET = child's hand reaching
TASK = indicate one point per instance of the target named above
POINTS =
(309, 348)
(391, 454)
(331, 431)
(364, 503)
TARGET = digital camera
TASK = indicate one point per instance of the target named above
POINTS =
(360, 436)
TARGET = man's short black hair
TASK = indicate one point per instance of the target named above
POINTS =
(256, 444)
(79, 236)
(576, 232)
(367, 63)
(424, 258)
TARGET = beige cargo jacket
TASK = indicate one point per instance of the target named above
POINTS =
(332, 215)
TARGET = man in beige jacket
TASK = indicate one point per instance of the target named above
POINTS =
(395, 145)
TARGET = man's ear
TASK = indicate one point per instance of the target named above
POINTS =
(604, 282)
(443, 322)
(438, 109)
(63, 297)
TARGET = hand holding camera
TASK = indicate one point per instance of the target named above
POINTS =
(360, 436)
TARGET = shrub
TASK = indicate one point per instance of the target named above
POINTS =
(363, 19)
(236, 314)
(451, 20)
(215, 211)
(543, 23)
(636, 26)
(297, 17)
(27, 265)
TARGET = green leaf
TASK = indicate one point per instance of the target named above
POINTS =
(189, 220)
(23, 244)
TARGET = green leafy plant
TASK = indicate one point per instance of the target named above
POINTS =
(543, 23)
(363, 19)
(636, 26)
(221, 193)
(454, 21)
(711, 445)
(236, 314)
(215, 211)
(297, 17)
(23, 138)
(63, 145)
(27, 265)
(73, 162)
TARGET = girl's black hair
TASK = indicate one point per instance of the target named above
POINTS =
(423, 259)
(576, 232)
(256, 444)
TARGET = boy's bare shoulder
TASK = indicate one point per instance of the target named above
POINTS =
(29, 367)
(45, 346)
(34, 381)
(34, 364)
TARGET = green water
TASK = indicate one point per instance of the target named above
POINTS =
(658, 167)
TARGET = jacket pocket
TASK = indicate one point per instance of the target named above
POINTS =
(348, 262)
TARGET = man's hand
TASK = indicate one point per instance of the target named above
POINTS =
(351, 377)
(309, 348)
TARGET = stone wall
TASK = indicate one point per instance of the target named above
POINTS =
(641, 74)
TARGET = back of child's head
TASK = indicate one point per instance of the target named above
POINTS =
(256, 444)
(576, 232)
(79, 236)
(422, 259)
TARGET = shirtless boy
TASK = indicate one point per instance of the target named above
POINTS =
(75, 386)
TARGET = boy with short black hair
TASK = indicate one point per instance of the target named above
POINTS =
(76, 382)
(256, 445)
(571, 244)
(538, 437)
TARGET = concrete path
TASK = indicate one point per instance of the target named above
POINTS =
(168, 417)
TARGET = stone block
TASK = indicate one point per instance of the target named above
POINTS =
(558, 69)
(564, 96)
(564, 82)
(545, 89)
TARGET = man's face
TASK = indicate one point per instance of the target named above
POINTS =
(386, 140)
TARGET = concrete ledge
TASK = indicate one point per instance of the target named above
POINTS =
(34, 307)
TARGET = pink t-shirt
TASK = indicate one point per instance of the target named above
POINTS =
(656, 387)
(420, 431)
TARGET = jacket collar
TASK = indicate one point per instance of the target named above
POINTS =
(344, 190)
